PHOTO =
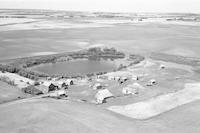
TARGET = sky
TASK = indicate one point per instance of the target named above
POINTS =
(186, 6)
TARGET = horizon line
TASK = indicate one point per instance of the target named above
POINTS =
(98, 11)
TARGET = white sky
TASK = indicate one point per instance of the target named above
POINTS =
(107, 5)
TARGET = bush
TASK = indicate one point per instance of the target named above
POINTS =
(8, 80)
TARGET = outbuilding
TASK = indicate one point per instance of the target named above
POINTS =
(151, 82)
(111, 78)
(53, 87)
(102, 95)
(134, 77)
(117, 78)
(64, 86)
(122, 80)
(162, 66)
(97, 86)
(32, 90)
(58, 93)
(132, 89)
(49, 78)
(42, 88)
(69, 82)
(47, 83)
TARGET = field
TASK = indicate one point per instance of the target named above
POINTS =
(9, 93)
(142, 38)
(159, 104)
(49, 116)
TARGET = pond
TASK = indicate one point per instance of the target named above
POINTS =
(76, 67)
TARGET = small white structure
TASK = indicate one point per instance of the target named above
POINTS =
(134, 77)
(97, 86)
(111, 78)
(69, 82)
(58, 93)
(41, 82)
(49, 78)
(61, 92)
(151, 82)
(128, 91)
(99, 80)
(59, 84)
(132, 89)
(118, 75)
(117, 78)
(47, 83)
(90, 85)
(101, 95)
(124, 78)
(106, 85)
(54, 79)
(162, 66)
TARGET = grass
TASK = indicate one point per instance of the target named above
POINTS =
(9, 93)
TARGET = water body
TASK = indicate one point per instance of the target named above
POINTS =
(76, 67)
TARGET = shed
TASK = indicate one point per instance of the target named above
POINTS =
(58, 84)
(134, 77)
(58, 93)
(162, 66)
(117, 78)
(151, 82)
(69, 82)
(111, 77)
(122, 80)
(42, 88)
(62, 92)
(53, 87)
(101, 95)
(64, 86)
(97, 86)
(49, 78)
(132, 89)
(47, 83)
(32, 90)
